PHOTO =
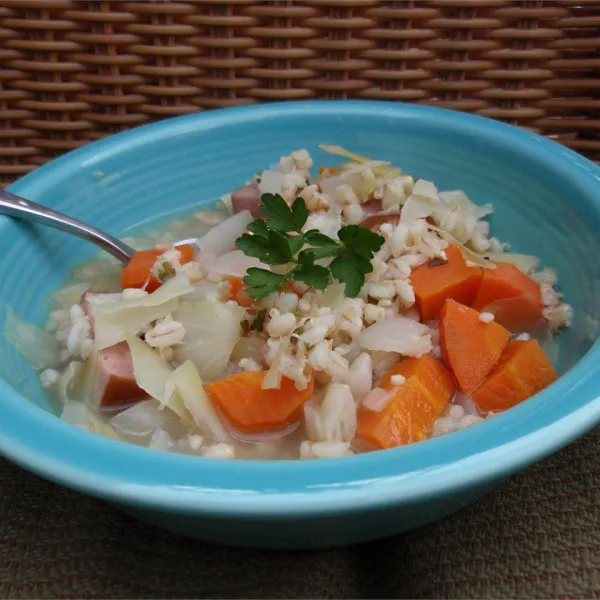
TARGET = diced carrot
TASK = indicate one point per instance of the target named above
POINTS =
(137, 272)
(250, 409)
(327, 171)
(434, 283)
(523, 370)
(238, 291)
(470, 348)
(409, 415)
(186, 253)
(512, 296)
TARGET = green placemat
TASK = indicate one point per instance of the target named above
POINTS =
(537, 537)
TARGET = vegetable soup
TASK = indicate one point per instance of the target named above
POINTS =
(317, 315)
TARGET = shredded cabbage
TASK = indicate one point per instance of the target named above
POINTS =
(204, 290)
(524, 262)
(141, 419)
(189, 385)
(335, 419)
(221, 239)
(89, 382)
(70, 382)
(212, 329)
(250, 346)
(83, 416)
(462, 202)
(235, 263)
(155, 376)
(339, 151)
(397, 334)
(150, 370)
(330, 184)
(380, 168)
(415, 208)
(67, 296)
(113, 321)
(468, 254)
(39, 347)
(173, 288)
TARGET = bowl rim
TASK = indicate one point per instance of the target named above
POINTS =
(127, 474)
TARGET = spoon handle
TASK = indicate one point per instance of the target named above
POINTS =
(18, 207)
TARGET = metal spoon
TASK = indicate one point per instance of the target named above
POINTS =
(18, 207)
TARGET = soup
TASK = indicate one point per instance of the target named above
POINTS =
(355, 310)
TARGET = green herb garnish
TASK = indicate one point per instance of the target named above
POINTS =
(279, 240)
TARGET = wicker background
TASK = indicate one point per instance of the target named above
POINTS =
(74, 71)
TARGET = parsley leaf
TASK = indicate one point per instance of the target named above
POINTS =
(279, 215)
(299, 213)
(296, 242)
(323, 246)
(259, 227)
(360, 240)
(306, 257)
(315, 238)
(312, 275)
(261, 282)
(261, 248)
(350, 268)
(279, 240)
(280, 245)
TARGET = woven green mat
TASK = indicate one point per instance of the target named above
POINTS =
(537, 537)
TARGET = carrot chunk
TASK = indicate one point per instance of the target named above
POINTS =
(512, 296)
(249, 408)
(237, 291)
(470, 348)
(328, 171)
(523, 370)
(137, 272)
(433, 285)
(409, 414)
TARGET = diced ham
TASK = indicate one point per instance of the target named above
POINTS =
(372, 209)
(247, 198)
(116, 385)
(116, 381)
(374, 221)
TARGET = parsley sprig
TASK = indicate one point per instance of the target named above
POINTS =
(279, 240)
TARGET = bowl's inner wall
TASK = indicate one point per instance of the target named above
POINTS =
(124, 186)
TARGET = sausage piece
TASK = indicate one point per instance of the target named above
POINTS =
(247, 198)
(116, 385)
(116, 382)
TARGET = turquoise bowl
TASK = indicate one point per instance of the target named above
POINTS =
(547, 201)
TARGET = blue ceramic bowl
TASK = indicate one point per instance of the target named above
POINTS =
(547, 201)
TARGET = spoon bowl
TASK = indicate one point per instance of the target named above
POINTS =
(20, 208)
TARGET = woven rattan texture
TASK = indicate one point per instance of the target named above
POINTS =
(74, 71)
